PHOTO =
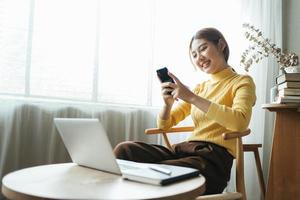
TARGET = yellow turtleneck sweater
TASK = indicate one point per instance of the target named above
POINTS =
(232, 97)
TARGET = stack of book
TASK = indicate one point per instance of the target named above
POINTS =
(288, 88)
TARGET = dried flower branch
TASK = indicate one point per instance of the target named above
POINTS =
(261, 47)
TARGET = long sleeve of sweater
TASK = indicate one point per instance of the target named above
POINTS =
(235, 117)
(177, 114)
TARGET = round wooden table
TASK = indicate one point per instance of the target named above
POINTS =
(70, 181)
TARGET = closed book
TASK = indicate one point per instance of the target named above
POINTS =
(287, 77)
(155, 173)
(289, 91)
(288, 99)
(289, 84)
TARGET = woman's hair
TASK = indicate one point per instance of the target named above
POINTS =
(212, 35)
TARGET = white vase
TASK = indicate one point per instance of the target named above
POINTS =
(273, 94)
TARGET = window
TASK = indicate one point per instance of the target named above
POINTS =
(13, 45)
(63, 49)
(107, 50)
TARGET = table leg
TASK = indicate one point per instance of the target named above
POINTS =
(284, 175)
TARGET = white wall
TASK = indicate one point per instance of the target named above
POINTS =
(291, 25)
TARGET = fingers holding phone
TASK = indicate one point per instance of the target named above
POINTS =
(166, 92)
(167, 85)
(181, 91)
(167, 89)
(173, 88)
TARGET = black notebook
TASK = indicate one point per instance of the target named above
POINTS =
(156, 174)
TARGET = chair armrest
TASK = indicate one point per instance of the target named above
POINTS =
(226, 136)
(231, 135)
(171, 130)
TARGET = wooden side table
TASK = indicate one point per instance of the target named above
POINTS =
(284, 174)
(70, 181)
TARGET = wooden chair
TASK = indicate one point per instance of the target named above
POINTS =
(241, 148)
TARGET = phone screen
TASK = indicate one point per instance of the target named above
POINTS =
(163, 75)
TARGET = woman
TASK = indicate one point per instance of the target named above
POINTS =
(221, 104)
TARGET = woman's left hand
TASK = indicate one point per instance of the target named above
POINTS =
(180, 90)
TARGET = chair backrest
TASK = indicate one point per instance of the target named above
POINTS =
(240, 182)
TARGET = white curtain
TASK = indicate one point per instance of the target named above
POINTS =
(274, 29)
(267, 16)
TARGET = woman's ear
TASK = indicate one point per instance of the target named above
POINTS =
(221, 44)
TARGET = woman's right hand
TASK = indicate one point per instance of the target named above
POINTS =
(166, 91)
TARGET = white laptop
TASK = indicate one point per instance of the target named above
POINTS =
(88, 145)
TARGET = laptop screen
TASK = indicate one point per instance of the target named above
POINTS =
(87, 143)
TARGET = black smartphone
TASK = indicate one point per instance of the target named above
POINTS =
(163, 75)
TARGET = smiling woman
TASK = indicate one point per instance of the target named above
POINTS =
(225, 107)
(104, 54)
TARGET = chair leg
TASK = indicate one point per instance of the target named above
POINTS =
(254, 148)
(259, 173)
(240, 179)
